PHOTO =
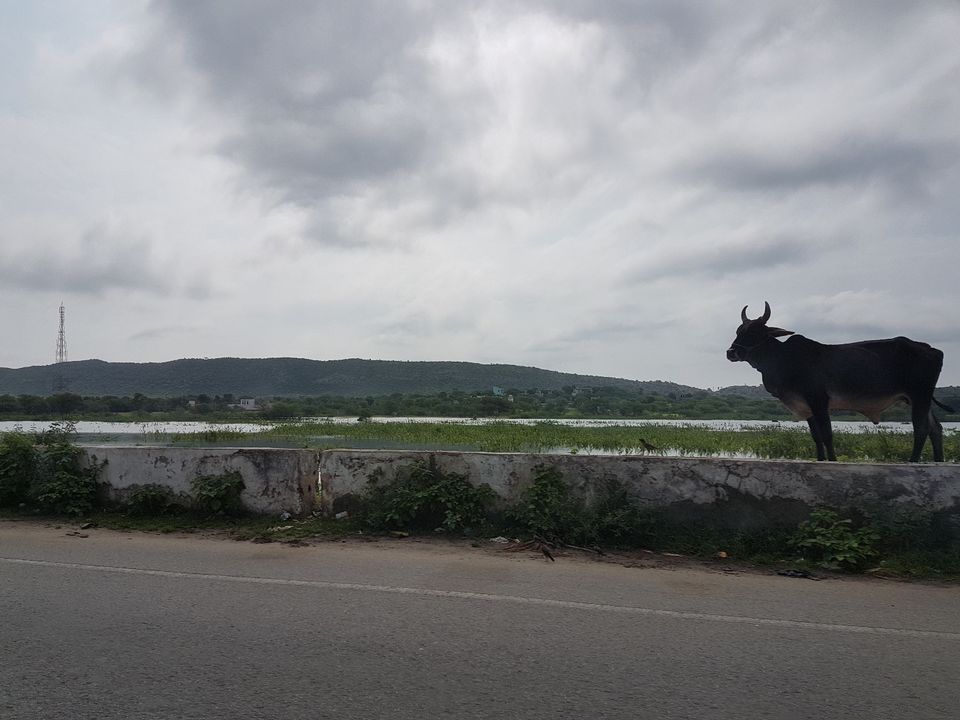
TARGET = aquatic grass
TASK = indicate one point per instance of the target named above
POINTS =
(211, 435)
(769, 442)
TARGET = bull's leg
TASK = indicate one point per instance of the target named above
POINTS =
(815, 433)
(828, 437)
(821, 417)
(936, 437)
(921, 413)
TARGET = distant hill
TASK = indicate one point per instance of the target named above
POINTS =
(744, 391)
(293, 377)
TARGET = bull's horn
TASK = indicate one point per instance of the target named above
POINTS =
(743, 314)
(766, 312)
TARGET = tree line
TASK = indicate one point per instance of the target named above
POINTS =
(567, 402)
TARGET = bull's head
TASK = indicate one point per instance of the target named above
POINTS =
(753, 333)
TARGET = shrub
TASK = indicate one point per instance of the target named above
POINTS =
(422, 497)
(219, 493)
(548, 508)
(151, 499)
(18, 461)
(904, 528)
(618, 520)
(832, 541)
(62, 484)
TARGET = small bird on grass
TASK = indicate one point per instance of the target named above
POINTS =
(647, 447)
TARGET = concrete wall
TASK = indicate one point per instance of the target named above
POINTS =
(731, 493)
(277, 480)
(725, 492)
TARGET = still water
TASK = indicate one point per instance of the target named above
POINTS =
(158, 429)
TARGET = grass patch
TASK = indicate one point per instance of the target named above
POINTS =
(930, 564)
(245, 528)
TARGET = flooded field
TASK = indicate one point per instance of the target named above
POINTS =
(110, 429)
(860, 441)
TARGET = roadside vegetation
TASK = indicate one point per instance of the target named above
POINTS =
(42, 476)
(45, 472)
(904, 542)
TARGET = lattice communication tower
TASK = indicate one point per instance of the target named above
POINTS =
(61, 340)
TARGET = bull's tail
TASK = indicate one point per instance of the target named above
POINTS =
(943, 407)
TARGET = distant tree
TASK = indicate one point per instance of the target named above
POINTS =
(119, 404)
(282, 409)
(65, 403)
(491, 405)
(32, 406)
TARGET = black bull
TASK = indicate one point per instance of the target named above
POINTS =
(812, 379)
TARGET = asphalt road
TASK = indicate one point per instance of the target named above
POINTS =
(136, 626)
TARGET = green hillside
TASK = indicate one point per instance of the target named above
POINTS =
(293, 377)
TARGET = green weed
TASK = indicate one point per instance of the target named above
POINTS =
(218, 493)
(151, 500)
(62, 485)
(548, 508)
(831, 541)
(422, 497)
(18, 464)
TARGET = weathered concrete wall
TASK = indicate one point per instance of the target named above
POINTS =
(724, 492)
(731, 493)
(276, 480)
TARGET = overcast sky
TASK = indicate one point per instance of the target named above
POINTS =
(579, 185)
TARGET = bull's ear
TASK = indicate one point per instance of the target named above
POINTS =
(778, 332)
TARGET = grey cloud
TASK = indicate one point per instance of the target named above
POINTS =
(102, 259)
(831, 332)
(903, 165)
(324, 95)
(407, 329)
(413, 326)
(305, 164)
(327, 98)
(851, 315)
(333, 100)
(930, 330)
(159, 333)
(664, 28)
(720, 260)
(303, 56)
(604, 331)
